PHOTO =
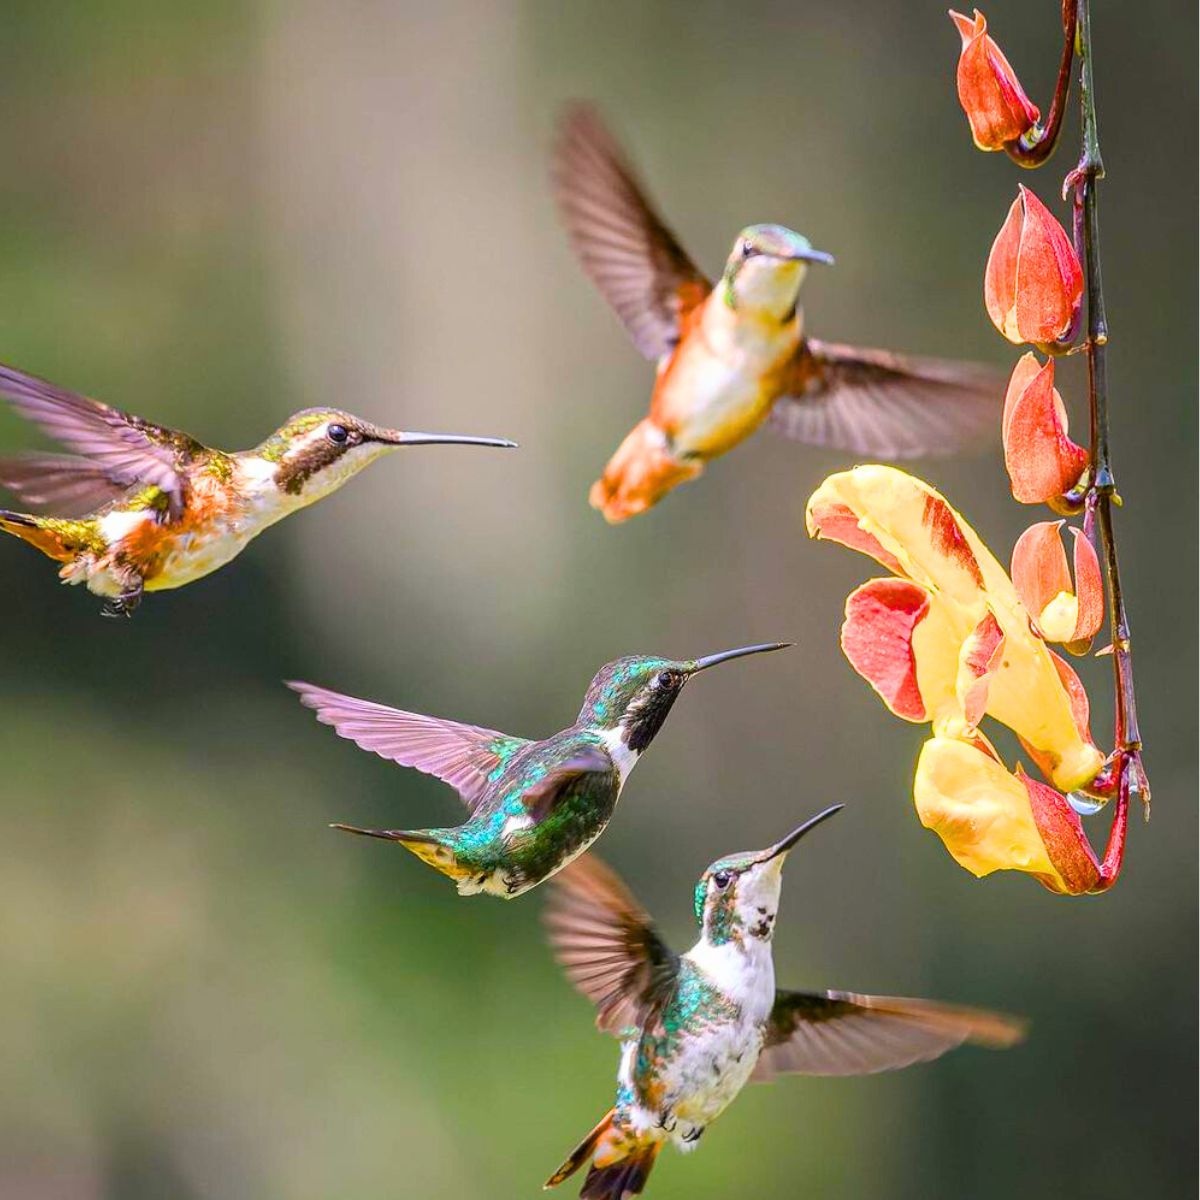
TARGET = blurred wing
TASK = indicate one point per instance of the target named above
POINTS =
(844, 1033)
(68, 485)
(129, 449)
(607, 944)
(883, 405)
(461, 755)
(628, 253)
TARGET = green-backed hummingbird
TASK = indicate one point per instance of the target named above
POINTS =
(534, 805)
(697, 1027)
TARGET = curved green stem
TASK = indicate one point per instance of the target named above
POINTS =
(1130, 774)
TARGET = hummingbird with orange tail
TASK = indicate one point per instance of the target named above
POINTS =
(157, 509)
(696, 1028)
(534, 805)
(735, 356)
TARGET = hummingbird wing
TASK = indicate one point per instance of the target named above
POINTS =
(626, 250)
(876, 403)
(128, 449)
(608, 945)
(64, 483)
(845, 1033)
(461, 755)
(588, 766)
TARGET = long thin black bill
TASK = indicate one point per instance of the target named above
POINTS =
(711, 660)
(785, 844)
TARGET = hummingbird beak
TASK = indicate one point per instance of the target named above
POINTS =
(785, 844)
(817, 256)
(394, 437)
(388, 835)
(711, 660)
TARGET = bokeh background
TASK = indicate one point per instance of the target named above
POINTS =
(216, 214)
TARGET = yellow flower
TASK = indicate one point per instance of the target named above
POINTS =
(946, 640)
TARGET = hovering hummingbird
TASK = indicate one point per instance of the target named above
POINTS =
(734, 356)
(534, 806)
(697, 1027)
(159, 509)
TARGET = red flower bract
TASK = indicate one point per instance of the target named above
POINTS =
(1033, 285)
(1061, 611)
(997, 108)
(1043, 463)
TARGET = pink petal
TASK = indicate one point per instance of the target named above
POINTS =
(877, 639)
(838, 523)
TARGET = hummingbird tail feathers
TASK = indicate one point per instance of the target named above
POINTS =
(583, 1151)
(621, 1163)
(58, 539)
(643, 470)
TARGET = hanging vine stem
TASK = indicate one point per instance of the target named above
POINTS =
(1126, 775)
(1038, 144)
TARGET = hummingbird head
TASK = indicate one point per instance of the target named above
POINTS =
(738, 896)
(319, 449)
(765, 269)
(631, 697)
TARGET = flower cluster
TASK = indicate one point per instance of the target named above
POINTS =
(947, 640)
(950, 638)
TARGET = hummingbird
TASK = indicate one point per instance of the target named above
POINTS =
(146, 508)
(734, 356)
(696, 1028)
(534, 805)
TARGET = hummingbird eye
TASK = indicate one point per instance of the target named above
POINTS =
(747, 249)
(338, 434)
(666, 679)
(722, 880)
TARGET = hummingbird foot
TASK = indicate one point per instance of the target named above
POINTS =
(125, 604)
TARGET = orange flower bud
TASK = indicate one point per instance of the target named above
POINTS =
(1061, 612)
(1033, 285)
(997, 108)
(1043, 463)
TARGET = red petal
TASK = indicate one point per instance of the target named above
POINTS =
(1049, 279)
(982, 654)
(946, 536)
(838, 523)
(1023, 375)
(967, 27)
(1039, 566)
(1042, 461)
(1000, 276)
(877, 639)
(1066, 843)
(996, 105)
(1089, 587)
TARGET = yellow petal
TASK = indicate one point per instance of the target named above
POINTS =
(979, 810)
(916, 534)
(1058, 619)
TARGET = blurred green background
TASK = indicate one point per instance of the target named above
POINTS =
(214, 215)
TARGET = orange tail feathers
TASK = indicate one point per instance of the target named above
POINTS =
(52, 537)
(642, 471)
(620, 1167)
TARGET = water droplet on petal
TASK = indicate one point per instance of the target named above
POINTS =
(1085, 806)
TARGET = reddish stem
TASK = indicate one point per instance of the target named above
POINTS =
(1114, 854)
(1038, 144)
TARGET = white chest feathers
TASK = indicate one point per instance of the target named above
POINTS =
(618, 750)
